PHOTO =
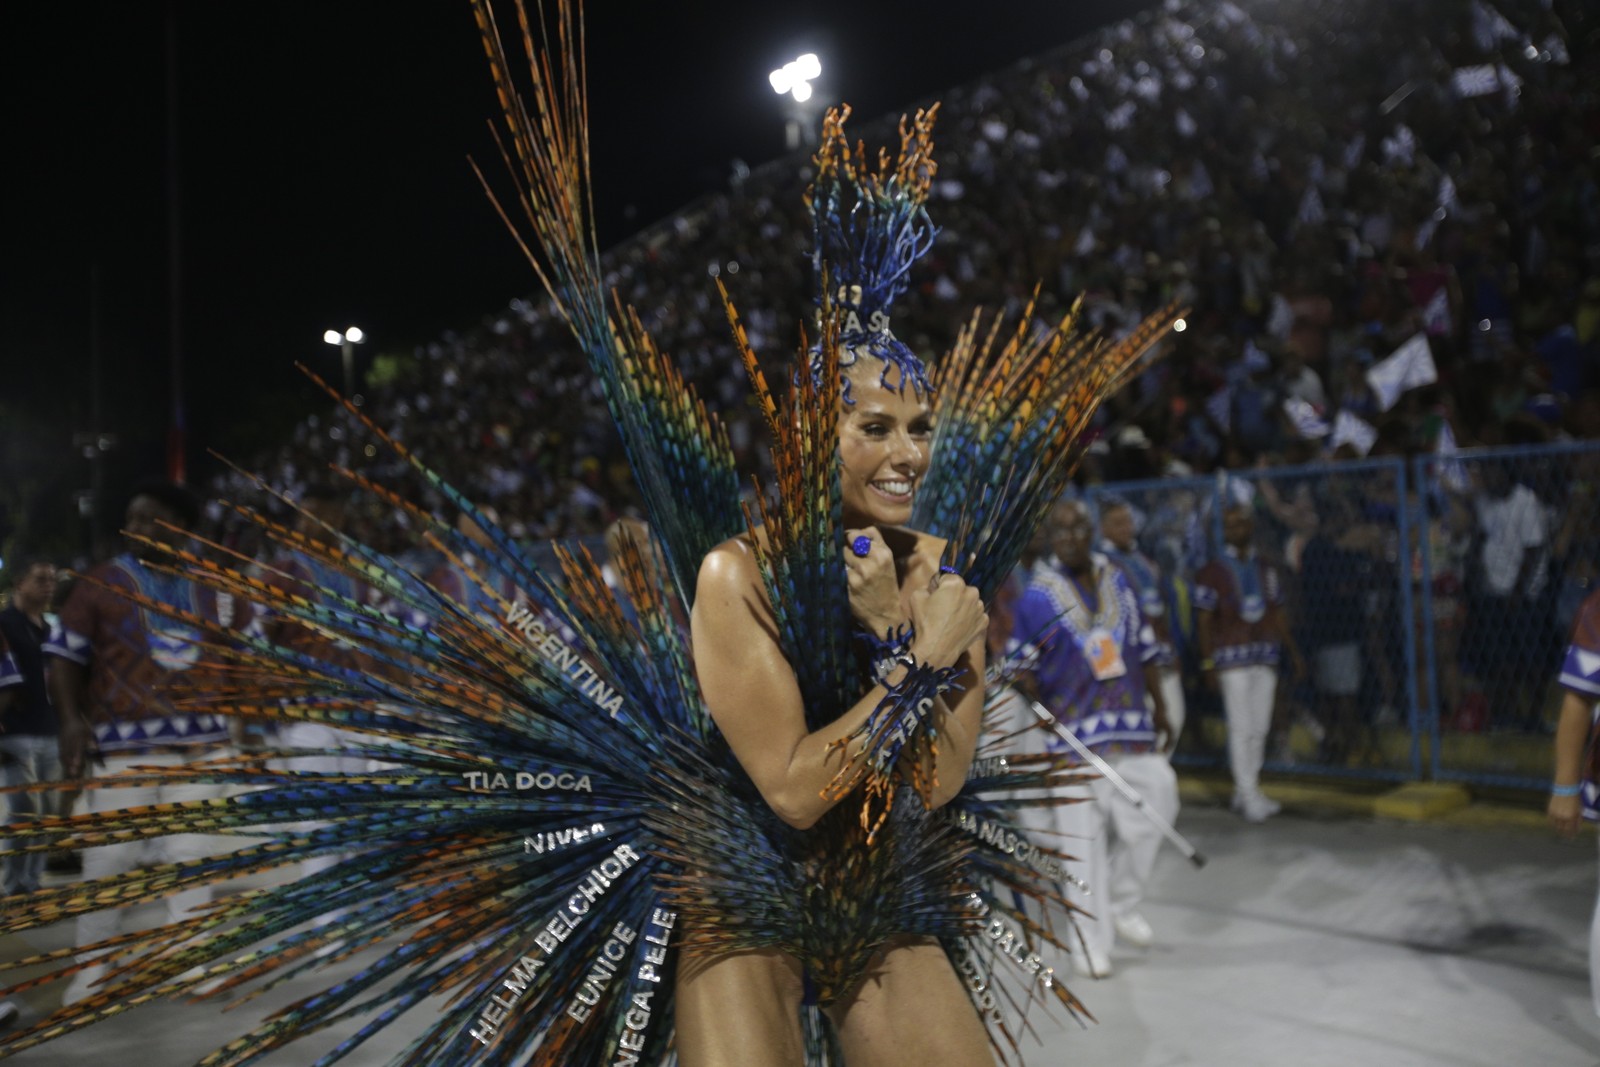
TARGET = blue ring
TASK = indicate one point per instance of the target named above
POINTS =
(861, 546)
(947, 570)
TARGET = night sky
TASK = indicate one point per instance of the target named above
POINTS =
(323, 175)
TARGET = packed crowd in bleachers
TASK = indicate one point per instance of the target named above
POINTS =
(1320, 181)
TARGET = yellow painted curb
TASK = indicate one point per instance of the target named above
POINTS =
(1422, 800)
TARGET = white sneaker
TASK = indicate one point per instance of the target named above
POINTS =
(82, 984)
(1257, 808)
(1090, 963)
(1135, 929)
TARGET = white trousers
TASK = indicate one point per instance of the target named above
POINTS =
(316, 735)
(1113, 844)
(1171, 682)
(105, 860)
(1247, 697)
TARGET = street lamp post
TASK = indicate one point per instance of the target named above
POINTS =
(347, 342)
(794, 79)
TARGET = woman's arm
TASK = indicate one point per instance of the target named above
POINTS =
(753, 696)
(960, 726)
(1572, 731)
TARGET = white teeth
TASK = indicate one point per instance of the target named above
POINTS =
(894, 488)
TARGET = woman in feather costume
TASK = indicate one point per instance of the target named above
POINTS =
(570, 827)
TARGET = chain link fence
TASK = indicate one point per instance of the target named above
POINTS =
(1512, 547)
(1428, 604)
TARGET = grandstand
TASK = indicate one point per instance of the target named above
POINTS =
(1322, 181)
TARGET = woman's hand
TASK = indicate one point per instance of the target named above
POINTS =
(874, 585)
(1566, 814)
(948, 618)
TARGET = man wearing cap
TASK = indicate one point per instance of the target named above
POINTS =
(1085, 654)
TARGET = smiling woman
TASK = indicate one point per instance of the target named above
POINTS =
(884, 443)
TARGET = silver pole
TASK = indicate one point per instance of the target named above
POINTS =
(1121, 785)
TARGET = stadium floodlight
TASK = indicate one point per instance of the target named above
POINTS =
(347, 341)
(795, 77)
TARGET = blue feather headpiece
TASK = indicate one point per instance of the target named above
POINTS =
(869, 226)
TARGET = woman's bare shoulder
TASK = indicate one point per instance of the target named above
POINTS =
(732, 564)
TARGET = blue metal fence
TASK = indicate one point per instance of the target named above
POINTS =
(1430, 601)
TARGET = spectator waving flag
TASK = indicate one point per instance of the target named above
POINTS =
(1352, 430)
(1436, 315)
(1354, 151)
(1305, 419)
(1452, 475)
(1219, 405)
(1400, 149)
(1408, 367)
(1311, 212)
(1425, 234)
(1511, 81)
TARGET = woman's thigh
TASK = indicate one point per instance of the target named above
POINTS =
(740, 1008)
(911, 1009)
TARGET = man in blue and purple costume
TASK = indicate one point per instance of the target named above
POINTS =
(1083, 651)
(112, 663)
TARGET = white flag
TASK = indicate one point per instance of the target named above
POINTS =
(1304, 418)
(1401, 148)
(1480, 80)
(1425, 233)
(1451, 471)
(1436, 316)
(1311, 213)
(1409, 366)
(1230, 13)
(1352, 430)
(1489, 27)
(1354, 151)
(1511, 81)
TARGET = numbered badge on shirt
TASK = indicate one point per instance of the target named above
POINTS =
(1104, 655)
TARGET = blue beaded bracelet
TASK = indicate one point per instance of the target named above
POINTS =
(1565, 790)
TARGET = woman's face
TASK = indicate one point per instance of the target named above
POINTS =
(883, 448)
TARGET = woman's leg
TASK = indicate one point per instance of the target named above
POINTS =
(740, 1008)
(909, 1011)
